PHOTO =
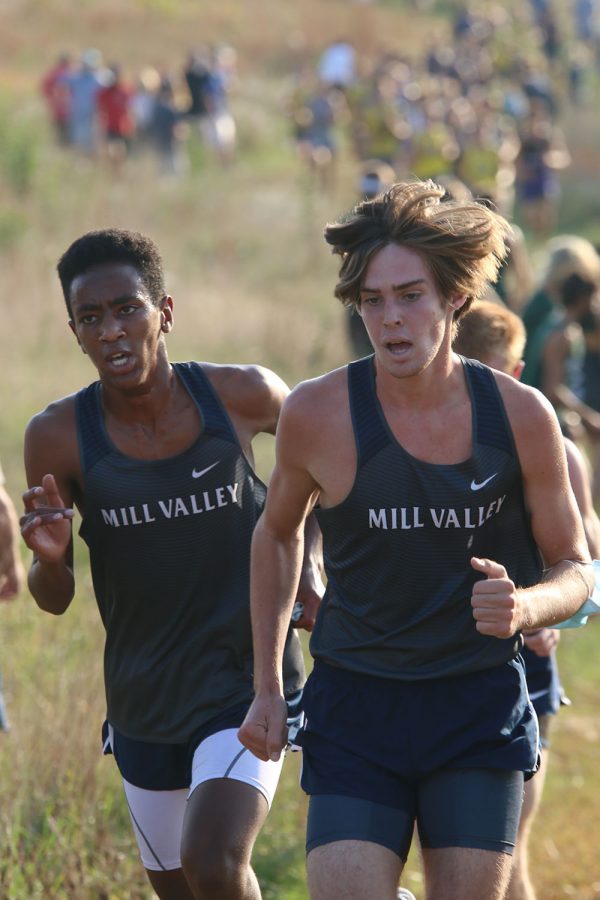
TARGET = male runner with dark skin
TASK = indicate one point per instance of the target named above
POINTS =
(157, 458)
(448, 527)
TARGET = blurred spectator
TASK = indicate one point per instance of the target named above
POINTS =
(116, 116)
(435, 148)
(562, 359)
(143, 101)
(566, 255)
(486, 162)
(56, 92)
(167, 131)
(197, 77)
(585, 13)
(373, 122)
(374, 177)
(84, 84)
(515, 278)
(591, 387)
(337, 65)
(314, 119)
(221, 131)
(542, 155)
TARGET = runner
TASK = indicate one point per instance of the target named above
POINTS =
(448, 526)
(157, 458)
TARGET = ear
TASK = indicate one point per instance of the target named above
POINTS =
(166, 314)
(74, 330)
(518, 369)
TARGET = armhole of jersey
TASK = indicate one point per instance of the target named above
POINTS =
(491, 424)
(370, 434)
(92, 440)
(215, 420)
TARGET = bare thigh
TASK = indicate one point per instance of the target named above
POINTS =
(223, 818)
(462, 873)
(353, 870)
(170, 885)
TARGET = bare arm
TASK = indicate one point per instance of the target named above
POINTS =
(12, 574)
(579, 476)
(499, 607)
(254, 397)
(277, 555)
(555, 387)
(46, 524)
(310, 588)
(543, 641)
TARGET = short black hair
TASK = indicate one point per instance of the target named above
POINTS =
(113, 245)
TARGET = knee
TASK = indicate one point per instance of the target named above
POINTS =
(214, 871)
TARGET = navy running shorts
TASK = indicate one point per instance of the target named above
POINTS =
(475, 808)
(386, 741)
(168, 767)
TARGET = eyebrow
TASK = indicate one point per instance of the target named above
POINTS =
(117, 301)
(396, 287)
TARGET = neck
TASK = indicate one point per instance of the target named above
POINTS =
(424, 390)
(146, 403)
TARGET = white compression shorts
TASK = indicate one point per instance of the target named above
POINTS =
(157, 816)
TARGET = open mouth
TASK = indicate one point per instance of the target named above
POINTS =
(397, 347)
(119, 360)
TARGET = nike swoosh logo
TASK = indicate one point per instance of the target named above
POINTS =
(202, 472)
(477, 487)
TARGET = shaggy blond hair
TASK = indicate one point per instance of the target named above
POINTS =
(462, 242)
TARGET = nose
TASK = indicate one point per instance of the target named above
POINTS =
(392, 312)
(111, 329)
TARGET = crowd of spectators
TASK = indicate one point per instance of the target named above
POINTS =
(482, 103)
(97, 111)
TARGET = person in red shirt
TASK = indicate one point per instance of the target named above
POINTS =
(116, 117)
(56, 93)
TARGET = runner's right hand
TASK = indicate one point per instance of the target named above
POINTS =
(46, 524)
(264, 730)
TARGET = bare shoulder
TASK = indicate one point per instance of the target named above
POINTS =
(51, 422)
(317, 399)
(316, 415)
(249, 392)
(531, 415)
(51, 441)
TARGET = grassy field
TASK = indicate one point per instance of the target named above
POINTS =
(252, 282)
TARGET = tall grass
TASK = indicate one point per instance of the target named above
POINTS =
(252, 282)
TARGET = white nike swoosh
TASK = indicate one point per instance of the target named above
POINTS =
(477, 487)
(204, 471)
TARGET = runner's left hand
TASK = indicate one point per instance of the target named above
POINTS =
(496, 602)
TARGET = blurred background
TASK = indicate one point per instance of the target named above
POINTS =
(231, 132)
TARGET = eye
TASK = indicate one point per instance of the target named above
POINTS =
(371, 301)
(128, 309)
(412, 296)
(88, 319)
